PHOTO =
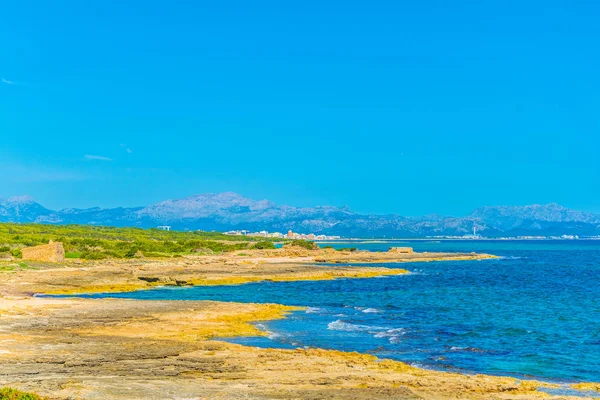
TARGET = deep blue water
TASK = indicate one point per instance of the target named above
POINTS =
(534, 313)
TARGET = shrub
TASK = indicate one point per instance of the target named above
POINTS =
(348, 249)
(132, 252)
(17, 253)
(7, 393)
(306, 244)
(264, 245)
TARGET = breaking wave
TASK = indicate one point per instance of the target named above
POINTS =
(394, 335)
(371, 311)
(339, 325)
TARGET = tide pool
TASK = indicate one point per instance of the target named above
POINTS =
(533, 313)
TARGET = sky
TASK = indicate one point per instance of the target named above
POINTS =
(407, 107)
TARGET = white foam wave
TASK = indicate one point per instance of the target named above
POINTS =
(313, 310)
(270, 334)
(467, 349)
(391, 332)
(394, 335)
(510, 258)
(371, 311)
(339, 325)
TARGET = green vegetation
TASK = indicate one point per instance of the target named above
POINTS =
(348, 249)
(306, 244)
(72, 254)
(264, 245)
(14, 267)
(97, 243)
(7, 393)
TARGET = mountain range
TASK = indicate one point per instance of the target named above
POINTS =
(227, 211)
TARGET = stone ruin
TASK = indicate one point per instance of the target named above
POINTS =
(405, 250)
(51, 252)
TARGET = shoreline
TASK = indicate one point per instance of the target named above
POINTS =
(173, 338)
(153, 330)
(177, 342)
(77, 277)
(551, 382)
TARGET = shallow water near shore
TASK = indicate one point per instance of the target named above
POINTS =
(533, 313)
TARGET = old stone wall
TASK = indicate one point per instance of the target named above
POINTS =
(401, 250)
(52, 252)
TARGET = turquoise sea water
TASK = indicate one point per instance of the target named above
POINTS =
(533, 313)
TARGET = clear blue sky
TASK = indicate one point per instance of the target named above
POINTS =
(407, 107)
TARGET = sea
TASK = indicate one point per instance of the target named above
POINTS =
(533, 313)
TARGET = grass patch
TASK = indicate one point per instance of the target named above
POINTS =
(13, 267)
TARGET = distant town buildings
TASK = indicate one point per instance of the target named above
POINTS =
(164, 227)
(471, 237)
(278, 235)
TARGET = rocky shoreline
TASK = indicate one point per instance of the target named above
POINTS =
(67, 348)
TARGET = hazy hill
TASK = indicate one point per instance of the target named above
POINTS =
(505, 217)
(24, 209)
(226, 211)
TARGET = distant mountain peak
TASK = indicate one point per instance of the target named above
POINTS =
(229, 210)
(20, 200)
(203, 206)
(508, 217)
